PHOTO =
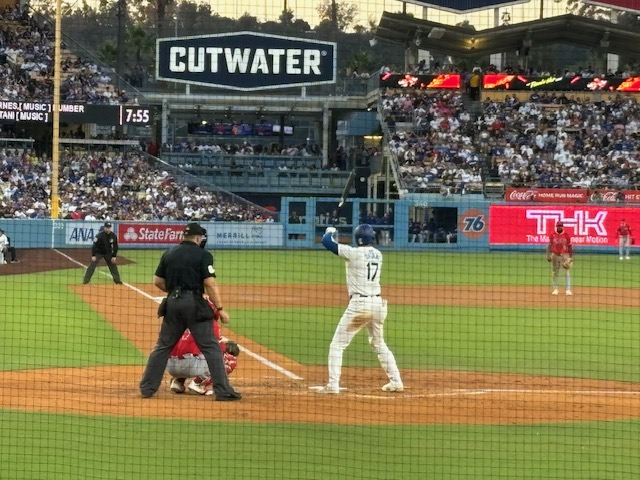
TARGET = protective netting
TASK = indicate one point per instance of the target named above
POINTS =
(499, 358)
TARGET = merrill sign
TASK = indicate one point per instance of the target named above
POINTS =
(246, 61)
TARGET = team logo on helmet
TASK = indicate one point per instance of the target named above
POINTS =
(364, 234)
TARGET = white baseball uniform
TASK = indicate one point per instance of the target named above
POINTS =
(366, 309)
(4, 243)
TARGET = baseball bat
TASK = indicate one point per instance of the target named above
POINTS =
(345, 195)
(347, 188)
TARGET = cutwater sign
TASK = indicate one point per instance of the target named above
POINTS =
(246, 61)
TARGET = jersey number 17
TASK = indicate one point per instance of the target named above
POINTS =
(372, 271)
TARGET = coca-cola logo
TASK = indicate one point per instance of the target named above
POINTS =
(522, 195)
(607, 197)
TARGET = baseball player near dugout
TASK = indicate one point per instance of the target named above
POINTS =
(560, 255)
(186, 361)
(366, 309)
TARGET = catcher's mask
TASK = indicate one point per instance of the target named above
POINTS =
(559, 227)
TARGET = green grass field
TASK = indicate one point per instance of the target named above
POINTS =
(44, 324)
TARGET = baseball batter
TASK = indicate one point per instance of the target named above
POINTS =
(560, 254)
(366, 309)
(623, 234)
(187, 361)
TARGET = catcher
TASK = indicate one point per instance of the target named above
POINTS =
(186, 361)
(560, 254)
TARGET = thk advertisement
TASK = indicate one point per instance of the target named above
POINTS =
(531, 225)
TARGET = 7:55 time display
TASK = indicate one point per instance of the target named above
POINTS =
(135, 115)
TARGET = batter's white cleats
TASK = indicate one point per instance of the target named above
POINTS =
(621, 258)
(393, 387)
(569, 293)
(177, 385)
(627, 258)
(555, 291)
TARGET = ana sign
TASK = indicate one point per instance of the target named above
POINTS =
(246, 61)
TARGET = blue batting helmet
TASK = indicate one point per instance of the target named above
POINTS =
(364, 234)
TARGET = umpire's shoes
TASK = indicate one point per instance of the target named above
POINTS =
(118, 283)
(229, 397)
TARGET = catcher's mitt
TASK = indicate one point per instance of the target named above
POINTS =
(232, 348)
(567, 264)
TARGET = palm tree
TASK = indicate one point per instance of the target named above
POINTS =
(142, 43)
(108, 53)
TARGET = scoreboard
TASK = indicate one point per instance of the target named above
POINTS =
(42, 112)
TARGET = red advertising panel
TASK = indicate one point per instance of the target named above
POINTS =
(590, 226)
(548, 195)
(631, 84)
(633, 5)
(445, 81)
(571, 195)
(149, 233)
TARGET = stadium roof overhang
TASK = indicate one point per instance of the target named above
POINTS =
(465, 42)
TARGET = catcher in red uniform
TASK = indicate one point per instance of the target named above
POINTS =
(186, 361)
(560, 254)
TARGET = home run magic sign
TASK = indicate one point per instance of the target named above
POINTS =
(246, 61)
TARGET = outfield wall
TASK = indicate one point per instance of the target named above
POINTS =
(476, 225)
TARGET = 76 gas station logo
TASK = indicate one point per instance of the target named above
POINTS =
(472, 223)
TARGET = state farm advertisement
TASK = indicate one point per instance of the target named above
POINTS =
(531, 225)
(219, 234)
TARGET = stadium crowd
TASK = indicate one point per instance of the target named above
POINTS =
(100, 186)
(26, 66)
(551, 140)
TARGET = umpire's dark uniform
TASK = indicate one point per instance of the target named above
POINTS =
(105, 246)
(183, 271)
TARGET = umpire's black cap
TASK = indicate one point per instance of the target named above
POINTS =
(108, 225)
(194, 229)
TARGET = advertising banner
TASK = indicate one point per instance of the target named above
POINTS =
(442, 81)
(218, 233)
(589, 226)
(571, 195)
(502, 81)
(246, 61)
(549, 195)
(81, 233)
